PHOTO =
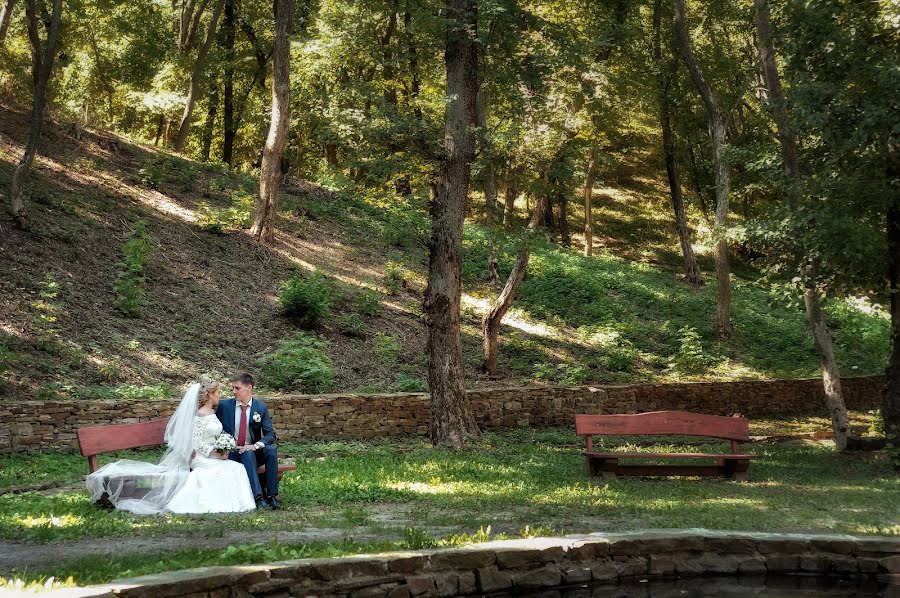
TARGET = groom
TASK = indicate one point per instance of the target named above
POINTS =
(247, 419)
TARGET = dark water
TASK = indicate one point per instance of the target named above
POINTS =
(726, 587)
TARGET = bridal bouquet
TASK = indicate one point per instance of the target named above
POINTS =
(225, 443)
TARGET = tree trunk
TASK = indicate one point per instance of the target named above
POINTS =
(159, 129)
(229, 127)
(691, 270)
(562, 200)
(196, 75)
(717, 134)
(5, 16)
(511, 193)
(890, 402)
(831, 378)
(41, 67)
(824, 344)
(490, 323)
(588, 194)
(209, 127)
(412, 55)
(265, 212)
(452, 423)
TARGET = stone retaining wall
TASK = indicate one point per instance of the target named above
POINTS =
(527, 565)
(36, 425)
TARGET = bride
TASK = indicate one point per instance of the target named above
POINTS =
(192, 476)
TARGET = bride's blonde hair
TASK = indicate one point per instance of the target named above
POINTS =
(207, 385)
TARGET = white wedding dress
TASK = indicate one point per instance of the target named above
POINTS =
(186, 480)
(213, 485)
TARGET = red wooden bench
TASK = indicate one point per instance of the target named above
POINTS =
(731, 465)
(96, 440)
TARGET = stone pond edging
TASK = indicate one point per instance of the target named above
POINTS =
(38, 425)
(530, 564)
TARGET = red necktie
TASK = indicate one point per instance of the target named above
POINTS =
(242, 433)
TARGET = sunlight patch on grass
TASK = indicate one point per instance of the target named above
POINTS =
(514, 318)
(47, 521)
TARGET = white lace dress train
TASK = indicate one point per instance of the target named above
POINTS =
(214, 485)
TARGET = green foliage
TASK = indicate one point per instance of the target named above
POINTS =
(690, 356)
(350, 325)
(298, 363)
(221, 220)
(169, 173)
(417, 539)
(386, 348)
(47, 309)
(308, 299)
(406, 382)
(395, 277)
(561, 373)
(131, 275)
(7, 358)
(368, 303)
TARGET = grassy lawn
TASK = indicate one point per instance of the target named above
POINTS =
(403, 494)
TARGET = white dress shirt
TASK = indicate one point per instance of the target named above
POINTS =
(237, 421)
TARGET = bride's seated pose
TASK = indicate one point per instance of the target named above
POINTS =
(192, 477)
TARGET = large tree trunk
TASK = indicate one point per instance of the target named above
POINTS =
(890, 402)
(717, 134)
(691, 270)
(265, 212)
(775, 100)
(196, 75)
(5, 16)
(41, 67)
(452, 422)
(510, 195)
(209, 127)
(588, 202)
(490, 323)
(229, 128)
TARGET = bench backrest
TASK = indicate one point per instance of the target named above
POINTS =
(664, 423)
(103, 439)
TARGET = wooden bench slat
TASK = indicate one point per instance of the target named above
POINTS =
(669, 455)
(664, 423)
(95, 440)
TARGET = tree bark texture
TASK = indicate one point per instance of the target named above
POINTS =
(265, 213)
(717, 134)
(42, 56)
(229, 128)
(196, 76)
(209, 127)
(664, 78)
(490, 323)
(5, 17)
(452, 423)
(890, 402)
(588, 195)
(822, 339)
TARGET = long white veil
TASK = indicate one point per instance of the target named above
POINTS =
(146, 488)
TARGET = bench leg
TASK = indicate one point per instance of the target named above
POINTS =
(605, 468)
(735, 469)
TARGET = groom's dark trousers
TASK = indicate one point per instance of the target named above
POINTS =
(257, 431)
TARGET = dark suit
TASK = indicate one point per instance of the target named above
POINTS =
(257, 431)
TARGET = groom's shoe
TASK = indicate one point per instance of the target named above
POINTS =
(274, 503)
(261, 503)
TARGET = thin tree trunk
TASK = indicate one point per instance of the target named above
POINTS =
(890, 402)
(159, 129)
(588, 194)
(5, 17)
(41, 68)
(196, 75)
(831, 378)
(512, 191)
(562, 200)
(452, 423)
(265, 212)
(229, 128)
(489, 186)
(209, 127)
(691, 270)
(717, 135)
(413, 58)
(490, 323)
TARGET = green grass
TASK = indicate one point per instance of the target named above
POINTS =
(509, 482)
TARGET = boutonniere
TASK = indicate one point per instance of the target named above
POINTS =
(257, 418)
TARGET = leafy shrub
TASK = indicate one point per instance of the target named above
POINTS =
(415, 538)
(561, 373)
(404, 382)
(47, 307)
(308, 299)
(298, 363)
(368, 303)
(690, 356)
(350, 325)
(387, 347)
(151, 175)
(129, 284)
(394, 277)
(221, 220)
